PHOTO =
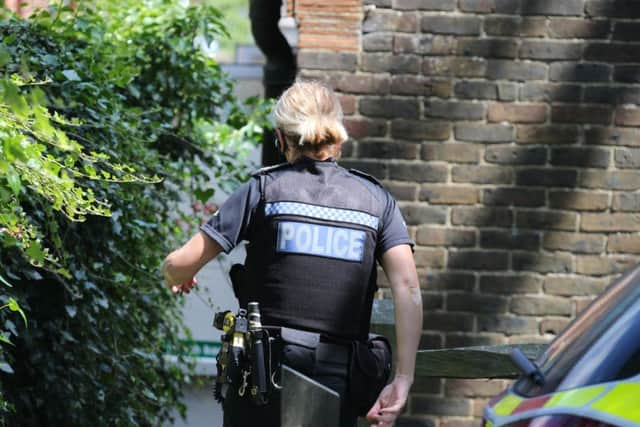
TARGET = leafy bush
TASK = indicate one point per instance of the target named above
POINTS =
(106, 115)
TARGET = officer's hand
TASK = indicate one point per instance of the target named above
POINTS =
(390, 402)
(184, 287)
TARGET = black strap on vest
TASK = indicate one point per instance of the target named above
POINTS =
(263, 184)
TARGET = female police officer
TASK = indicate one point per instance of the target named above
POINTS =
(315, 231)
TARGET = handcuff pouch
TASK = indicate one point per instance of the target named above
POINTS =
(369, 371)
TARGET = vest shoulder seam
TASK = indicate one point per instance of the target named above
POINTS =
(265, 170)
(366, 176)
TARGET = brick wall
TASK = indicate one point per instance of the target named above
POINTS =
(508, 131)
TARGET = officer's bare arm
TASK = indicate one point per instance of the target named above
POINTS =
(400, 269)
(181, 265)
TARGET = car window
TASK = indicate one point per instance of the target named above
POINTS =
(583, 354)
(614, 356)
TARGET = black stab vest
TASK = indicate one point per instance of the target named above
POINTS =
(311, 253)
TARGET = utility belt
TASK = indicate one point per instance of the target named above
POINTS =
(249, 360)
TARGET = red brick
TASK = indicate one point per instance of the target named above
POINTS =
(523, 71)
(322, 60)
(617, 9)
(451, 152)
(578, 28)
(482, 216)
(418, 171)
(546, 219)
(474, 302)
(545, 8)
(517, 113)
(454, 66)
(603, 266)
(402, 190)
(612, 136)
(387, 150)
(334, 5)
(507, 324)
(448, 194)
(387, 20)
(626, 202)
(591, 114)
(419, 85)
(424, 44)
(407, 23)
(547, 134)
(510, 284)
(440, 5)
(573, 285)
(390, 63)
(627, 116)
(610, 222)
(442, 24)
(574, 242)
(473, 388)
(348, 104)
(420, 130)
(612, 52)
(438, 236)
(515, 26)
(358, 128)
(441, 406)
(540, 305)
(333, 42)
(362, 83)
(624, 243)
(489, 6)
(578, 200)
(584, 157)
(550, 50)
(541, 263)
(612, 180)
(482, 174)
(429, 257)
(376, 42)
(447, 281)
(516, 196)
(508, 239)
(421, 213)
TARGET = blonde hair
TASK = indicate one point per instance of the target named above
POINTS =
(310, 116)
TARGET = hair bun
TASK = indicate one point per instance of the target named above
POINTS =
(320, 130)
(311, 113)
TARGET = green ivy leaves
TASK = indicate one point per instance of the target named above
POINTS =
(123, 114)
(13, 306)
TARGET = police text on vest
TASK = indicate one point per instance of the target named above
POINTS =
(320, 240)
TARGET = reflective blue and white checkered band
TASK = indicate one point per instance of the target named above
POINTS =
(321, 212)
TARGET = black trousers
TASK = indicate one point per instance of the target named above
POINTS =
(241, 412)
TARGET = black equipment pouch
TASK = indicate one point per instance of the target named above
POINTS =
(369, 371)
(237, 276)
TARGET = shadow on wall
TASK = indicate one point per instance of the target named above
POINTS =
(508, 132)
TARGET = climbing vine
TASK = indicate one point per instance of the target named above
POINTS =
(112, 116)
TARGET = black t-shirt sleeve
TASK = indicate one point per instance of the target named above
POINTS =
(229, 225)
(394, 230)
